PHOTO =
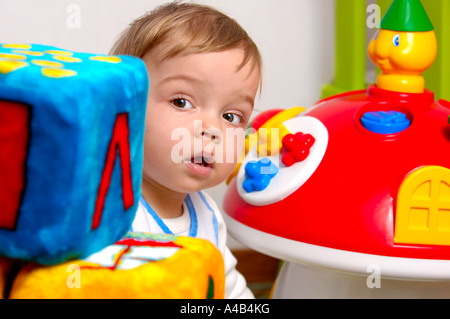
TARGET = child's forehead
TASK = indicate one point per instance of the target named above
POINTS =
(157, 58)
(170, 49)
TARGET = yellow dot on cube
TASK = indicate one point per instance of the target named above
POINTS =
(58, 73)
(59, 52)
(12, 56)
(28, 52)
(9, 66)
(110, 59)
(16, 46)
(47, 63)
(64, 58)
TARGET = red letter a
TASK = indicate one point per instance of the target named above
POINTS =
(120, 142)
(14, 136)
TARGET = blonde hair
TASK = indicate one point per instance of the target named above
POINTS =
(186, 28)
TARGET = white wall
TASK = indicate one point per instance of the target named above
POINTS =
(296, 38)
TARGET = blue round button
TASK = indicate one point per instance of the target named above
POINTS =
(385, 122)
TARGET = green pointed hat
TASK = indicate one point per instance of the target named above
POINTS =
(406, 15)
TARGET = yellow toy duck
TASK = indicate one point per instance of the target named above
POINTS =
(404, 47)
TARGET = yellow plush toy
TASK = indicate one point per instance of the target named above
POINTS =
(139, 266)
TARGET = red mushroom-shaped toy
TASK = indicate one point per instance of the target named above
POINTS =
(369, 204)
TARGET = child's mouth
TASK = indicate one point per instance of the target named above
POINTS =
(203, 161)
(201, 165)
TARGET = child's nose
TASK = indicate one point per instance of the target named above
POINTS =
(212, 134)
(207, 131)
(208, 135)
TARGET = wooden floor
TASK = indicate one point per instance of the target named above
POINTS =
(259, 270)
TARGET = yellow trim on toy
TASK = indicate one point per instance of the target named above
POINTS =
(270, 138)
(423, 207)
(264, 134)
(275, 122)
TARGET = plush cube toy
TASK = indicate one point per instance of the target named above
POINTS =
(138, 266)
(71, 143)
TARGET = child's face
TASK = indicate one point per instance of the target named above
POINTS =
(198, 110)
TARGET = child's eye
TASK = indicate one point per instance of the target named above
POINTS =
(182, 104)
(396, 40)
(233, 118)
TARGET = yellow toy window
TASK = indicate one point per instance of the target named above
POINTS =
(423, 207)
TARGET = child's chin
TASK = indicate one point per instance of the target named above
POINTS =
(194, 185)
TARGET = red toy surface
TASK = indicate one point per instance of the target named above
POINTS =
(349, 201)
(259, 120)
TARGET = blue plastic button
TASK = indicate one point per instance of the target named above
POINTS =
(385, 122)
(258, 175)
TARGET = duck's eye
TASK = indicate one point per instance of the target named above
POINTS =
(396, 40)
(182, 104)
(232, 118)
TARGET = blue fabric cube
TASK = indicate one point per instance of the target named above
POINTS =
(83, 154)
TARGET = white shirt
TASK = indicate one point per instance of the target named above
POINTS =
(201, 218)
